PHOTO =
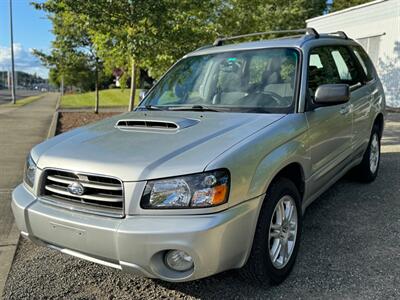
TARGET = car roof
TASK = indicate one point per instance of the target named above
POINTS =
(286, 42)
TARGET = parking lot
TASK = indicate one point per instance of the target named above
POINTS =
(350, 250)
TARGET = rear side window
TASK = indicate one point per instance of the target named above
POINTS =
(331, 65)
(365, 62)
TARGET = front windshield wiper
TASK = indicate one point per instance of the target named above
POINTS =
(194, 108)
(153, 107)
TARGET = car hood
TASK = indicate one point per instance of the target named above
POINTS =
(143, 147)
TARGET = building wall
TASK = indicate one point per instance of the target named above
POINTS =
(376, 26)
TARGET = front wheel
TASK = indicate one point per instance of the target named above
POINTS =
(367, 170)
(277, 236)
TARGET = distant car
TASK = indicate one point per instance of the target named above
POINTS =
(215, 168)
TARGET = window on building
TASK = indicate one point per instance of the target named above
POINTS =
(371, 45)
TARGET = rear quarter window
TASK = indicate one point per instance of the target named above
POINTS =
(365, 62)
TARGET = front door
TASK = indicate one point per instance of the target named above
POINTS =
(330, 127)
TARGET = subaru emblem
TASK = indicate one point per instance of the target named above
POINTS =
(76, 189)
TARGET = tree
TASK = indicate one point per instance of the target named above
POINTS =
(343, 4)
(242, 16)
(68, 67)
(73, 41)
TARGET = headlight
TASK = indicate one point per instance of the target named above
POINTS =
(30, 172)
(191, 191)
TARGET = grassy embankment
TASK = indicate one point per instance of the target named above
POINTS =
(108, 98)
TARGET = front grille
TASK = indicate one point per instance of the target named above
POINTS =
(84, 192)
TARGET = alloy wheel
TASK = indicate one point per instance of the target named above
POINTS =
(283, 232)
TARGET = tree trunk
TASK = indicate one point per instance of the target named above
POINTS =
(96, 105)
(133, 87)
(62, 86)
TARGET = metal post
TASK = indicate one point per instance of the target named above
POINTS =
(12, 58)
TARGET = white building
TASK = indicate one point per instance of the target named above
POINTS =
(376, 26)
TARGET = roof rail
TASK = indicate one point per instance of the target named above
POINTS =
(311, 31)
(341, 34)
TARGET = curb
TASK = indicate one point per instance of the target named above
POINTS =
(54, 121)
(58, 102)
(53, 125)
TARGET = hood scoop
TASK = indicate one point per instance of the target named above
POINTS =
(170, 125)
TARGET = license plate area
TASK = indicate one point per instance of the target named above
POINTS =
(64, 234)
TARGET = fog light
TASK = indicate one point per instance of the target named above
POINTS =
(178, 260)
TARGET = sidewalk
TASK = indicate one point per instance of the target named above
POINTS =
(20, 129)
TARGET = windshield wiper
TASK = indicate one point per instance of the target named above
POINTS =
(194, 108)
(153, 107)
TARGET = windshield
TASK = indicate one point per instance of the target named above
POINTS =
(248, 81)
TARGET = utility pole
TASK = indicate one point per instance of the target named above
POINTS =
(12, 58)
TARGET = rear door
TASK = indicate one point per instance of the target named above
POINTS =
(362, 104)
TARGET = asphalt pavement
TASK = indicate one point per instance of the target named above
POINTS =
(350, 249)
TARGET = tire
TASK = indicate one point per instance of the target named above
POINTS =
(260, 267)
(367, 170)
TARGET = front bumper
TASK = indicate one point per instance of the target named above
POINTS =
(137, 243)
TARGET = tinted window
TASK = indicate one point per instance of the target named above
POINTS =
(365, 62)
(330, 65)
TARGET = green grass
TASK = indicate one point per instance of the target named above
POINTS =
(108, 98)
(24, 101)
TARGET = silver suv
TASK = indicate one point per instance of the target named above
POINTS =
(216, 166)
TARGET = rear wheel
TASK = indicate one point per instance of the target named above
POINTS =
(277, 236)
(367, 170)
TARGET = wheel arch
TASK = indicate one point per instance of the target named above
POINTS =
(379, 121)
(295, 173)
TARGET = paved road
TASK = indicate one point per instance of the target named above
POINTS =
(20, 129)
(350, 250)
(5, 95)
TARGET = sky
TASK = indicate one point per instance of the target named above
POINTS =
(32, 30)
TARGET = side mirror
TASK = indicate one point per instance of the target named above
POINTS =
(142, 94)
(332, 94)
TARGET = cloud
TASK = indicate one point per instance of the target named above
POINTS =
(24, 60)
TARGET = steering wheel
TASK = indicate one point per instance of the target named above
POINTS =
(278, 100)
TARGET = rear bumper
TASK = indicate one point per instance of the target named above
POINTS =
(137, 244)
